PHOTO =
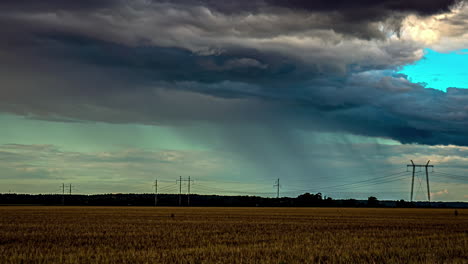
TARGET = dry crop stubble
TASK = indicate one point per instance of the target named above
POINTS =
(231, 235)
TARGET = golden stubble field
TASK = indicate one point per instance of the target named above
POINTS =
(231, 235)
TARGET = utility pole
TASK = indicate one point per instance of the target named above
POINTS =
(63, 193)
(427, 181)
(277, 185)
(426, 166)
(180, 190)
(180, 180)
(155, 192)
(188, 197)
(412, 180)
(70, 188)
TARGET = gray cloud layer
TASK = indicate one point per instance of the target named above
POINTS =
(324, 66)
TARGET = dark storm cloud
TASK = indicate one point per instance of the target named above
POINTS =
(255, 18)
(160, 85)
(174, 62)
(417, 6)
(55, 5)
(362, 7)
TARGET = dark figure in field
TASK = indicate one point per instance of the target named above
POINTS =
(172, 215)
(456, 212)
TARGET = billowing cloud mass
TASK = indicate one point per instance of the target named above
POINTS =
(321, 65)
(252, 67)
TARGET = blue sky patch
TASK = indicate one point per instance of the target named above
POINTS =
(440, 70)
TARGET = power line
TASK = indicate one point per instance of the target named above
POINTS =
(367, 184)
(461, 176)
(217, 189)
(379, 171)
(358, 182)
(172, 187)
(452, 176)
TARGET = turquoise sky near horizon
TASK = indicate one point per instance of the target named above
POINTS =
(440, 70)
(128, 156)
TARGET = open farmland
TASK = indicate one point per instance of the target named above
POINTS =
(231, 235)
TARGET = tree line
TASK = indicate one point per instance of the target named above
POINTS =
(303, 200)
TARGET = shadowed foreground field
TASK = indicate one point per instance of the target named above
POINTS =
(231, 235)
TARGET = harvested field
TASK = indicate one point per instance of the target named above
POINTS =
(231, 235)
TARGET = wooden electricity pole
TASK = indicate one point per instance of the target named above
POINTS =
(63, 193)
(155, 192)
(277, 185)
(180, 180)
(188, 196)
(180, 190)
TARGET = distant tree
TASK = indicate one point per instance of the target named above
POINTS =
(318, 197)
(328, 201)
(401, 203)
(308, 199)
(349, 203)
(404, 204)
(372, 201)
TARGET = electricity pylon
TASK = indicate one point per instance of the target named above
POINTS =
(427, 178)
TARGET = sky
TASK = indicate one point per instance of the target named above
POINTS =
(328, 96)
(440, 70)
